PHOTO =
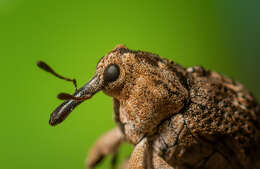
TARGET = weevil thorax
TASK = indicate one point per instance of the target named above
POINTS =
(147, 88)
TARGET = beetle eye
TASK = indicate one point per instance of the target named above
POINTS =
(111, 73)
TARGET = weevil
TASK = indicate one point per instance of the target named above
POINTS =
(176, 117)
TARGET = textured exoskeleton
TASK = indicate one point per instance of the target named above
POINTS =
(176, 117)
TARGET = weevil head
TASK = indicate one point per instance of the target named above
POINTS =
(109, 77)
(124, 73)
(112, 70)
(119, 69)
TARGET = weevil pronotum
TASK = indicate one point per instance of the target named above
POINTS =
(176, 117)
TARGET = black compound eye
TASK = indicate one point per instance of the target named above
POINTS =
(111, 73)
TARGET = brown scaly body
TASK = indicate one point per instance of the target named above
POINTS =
(219, 127)
(176, 118)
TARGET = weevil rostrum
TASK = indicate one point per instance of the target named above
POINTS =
(176, 117)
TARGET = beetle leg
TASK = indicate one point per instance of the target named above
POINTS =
(159, 163)
(138, 159)
(114, 160)
(106, 144)
(143, 157)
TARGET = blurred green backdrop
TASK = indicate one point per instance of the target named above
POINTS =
(72, 36)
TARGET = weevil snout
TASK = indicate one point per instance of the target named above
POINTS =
(108, 76)
(84, 93)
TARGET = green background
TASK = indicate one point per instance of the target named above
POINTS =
(72, 35)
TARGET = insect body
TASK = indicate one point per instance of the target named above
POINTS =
(176, 117)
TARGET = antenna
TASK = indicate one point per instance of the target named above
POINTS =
(47, 68)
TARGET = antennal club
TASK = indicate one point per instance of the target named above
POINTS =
(47, 68)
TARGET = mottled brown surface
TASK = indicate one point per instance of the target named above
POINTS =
(181, 118)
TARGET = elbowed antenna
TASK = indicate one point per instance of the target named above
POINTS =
(47, 68)
(71, 101)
